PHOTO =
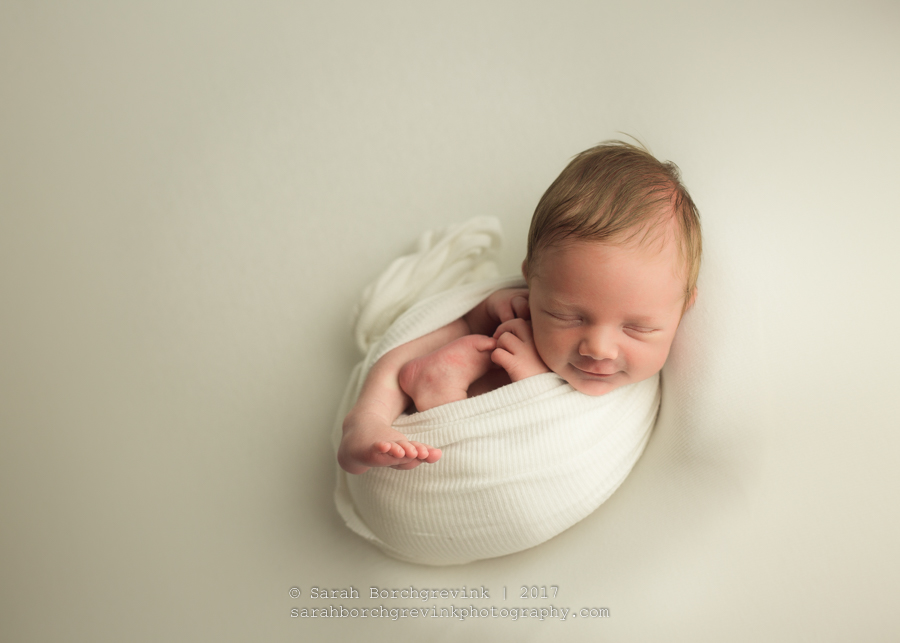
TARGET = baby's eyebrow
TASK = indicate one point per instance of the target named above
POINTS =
(566, 308)
(554, 302)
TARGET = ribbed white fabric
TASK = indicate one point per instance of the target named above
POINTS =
(443, 259)
(520, 464)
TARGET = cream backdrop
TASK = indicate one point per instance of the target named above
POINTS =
(193, 195)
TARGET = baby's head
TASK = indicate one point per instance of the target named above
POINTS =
(612, 264)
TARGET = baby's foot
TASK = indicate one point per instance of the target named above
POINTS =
(444, 376)
(367, 443)
(516, 351)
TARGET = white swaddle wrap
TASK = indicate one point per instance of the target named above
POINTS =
(520, 464)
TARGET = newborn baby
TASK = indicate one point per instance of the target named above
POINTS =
(611, 267)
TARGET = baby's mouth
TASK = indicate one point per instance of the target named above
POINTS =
(596, 372)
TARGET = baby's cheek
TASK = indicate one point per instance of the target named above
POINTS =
(550, 354)
(651, 362)
(538, 340)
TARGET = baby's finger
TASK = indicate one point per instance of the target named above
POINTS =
(502, 358)
(502, 328)
(510, 343)
(504, 311)
(484, 343)
(517, 327)
(519, 304)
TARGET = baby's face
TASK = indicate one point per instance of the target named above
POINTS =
(604, 316)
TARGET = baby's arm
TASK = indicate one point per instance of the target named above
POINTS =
(516, 351)
(368, 439)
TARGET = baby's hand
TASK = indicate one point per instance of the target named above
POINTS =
(516, 351)
(508, 303)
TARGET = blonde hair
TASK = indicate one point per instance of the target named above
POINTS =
(617, 192)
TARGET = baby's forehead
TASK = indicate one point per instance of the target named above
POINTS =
(634, 278)
(661, 252)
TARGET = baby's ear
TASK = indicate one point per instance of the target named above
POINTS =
(693, 298)
(525, 269)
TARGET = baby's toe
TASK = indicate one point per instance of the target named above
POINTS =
(421, 450)
(409, 451)
(390, 448)
(383, 447)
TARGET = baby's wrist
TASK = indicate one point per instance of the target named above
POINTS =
(535, 365)
(537, 369)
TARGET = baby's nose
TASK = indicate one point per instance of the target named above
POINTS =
(599, 343)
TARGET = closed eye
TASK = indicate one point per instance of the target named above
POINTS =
(565, 318)
(641, 329)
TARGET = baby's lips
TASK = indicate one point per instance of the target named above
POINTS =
(595, 367)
